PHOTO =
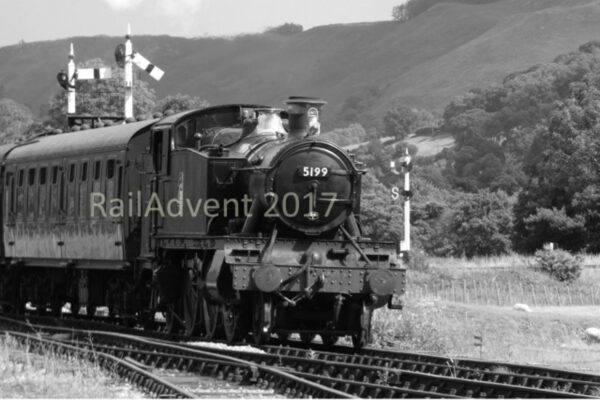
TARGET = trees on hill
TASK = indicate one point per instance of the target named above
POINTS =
(180, 102)
(400, 120)
(106, 97)
(286, 29)
(537, 134)
(102, 97)
(412, 8)
(15, 120)
(564, 167)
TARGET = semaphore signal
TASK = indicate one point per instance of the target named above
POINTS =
(126, 57)
(67, 80)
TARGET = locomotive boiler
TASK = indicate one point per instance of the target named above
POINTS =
(232, 221)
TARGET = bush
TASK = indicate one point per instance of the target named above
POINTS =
(416, 328)
(418, 261)
(560, 264)
(286, 29)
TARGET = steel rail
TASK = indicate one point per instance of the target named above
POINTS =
(168, 355)
(390, 362)
(463, 367)
(396, 381)
(536, 378)
(139, 377)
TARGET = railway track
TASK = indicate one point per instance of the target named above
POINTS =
(144, 353)
(462, 367)
(141, 378)
(373, 373)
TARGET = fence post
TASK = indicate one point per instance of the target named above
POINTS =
(498, 293)
(510, 298)
(523, 298)
(546, 296)
(533, 294)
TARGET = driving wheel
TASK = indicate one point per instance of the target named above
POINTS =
(231, 322)
(211, 318)
(363, 337)
(261, 318)
(329, 340)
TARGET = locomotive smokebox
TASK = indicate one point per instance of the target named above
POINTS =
(304, 113)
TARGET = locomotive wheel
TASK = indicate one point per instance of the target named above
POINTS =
(173, 321)
(56, 307)
(90, 310)
(191, 302)
(329, 340)
(261, 319)
(283, 337)
(74, 307)
(307, 337)
(211, 318)
(361, 339)
(231, 322)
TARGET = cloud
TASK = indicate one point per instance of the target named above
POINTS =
(179, 7)
(120, 5)
(184, 11)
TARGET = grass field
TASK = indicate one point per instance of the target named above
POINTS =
(28, 375)
(451, 302)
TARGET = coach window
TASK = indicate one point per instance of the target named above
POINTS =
(97, 170)
(20, 201)
(9, 194)
(31, 195)
(42, 190)
(157, 150)
(54, 197)
(71, 191)
(119, 181)
(83, 190)
(110, 179)
(97, 183)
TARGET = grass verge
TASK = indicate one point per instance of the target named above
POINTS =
(457, 306)
(28, 375)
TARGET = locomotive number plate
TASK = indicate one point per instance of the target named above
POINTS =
(313, 172)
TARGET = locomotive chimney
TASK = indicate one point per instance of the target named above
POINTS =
(304, 115)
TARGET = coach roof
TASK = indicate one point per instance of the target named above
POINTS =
(113, 138)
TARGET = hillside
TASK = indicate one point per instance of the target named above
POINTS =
(426, 61)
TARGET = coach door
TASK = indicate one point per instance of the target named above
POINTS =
(153, 189)
(55, 209)
(9, 212)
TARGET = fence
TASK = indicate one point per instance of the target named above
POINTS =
(506, 293)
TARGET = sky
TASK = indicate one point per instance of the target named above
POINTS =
(35, 20)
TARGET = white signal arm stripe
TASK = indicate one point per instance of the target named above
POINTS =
(146, 65)
(93, 73)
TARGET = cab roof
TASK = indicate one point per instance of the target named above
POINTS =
(175, 118)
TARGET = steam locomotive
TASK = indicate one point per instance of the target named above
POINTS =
(229, 221)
